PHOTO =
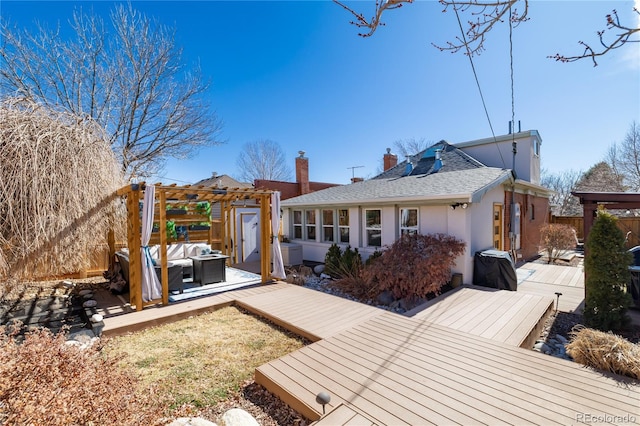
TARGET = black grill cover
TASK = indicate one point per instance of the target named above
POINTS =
(495, 269)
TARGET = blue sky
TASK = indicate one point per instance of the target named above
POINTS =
(297, 73)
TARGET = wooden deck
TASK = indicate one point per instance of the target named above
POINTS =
(506, 316)
(393, 370)
(309, 313)
(546, 280)
(157, 315)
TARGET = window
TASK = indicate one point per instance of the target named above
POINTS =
(297, 224)
(327, 226)
(536, 148)
(373, 228)
(408, 221)
(310, 224)
(343, 225)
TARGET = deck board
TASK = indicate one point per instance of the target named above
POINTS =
(450, 377)
(506, 316)
(315, 314)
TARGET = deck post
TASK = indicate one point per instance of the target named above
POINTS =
(265, 228)
(162, 218)
(135, 265)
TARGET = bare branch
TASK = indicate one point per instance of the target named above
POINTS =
(373, 23)
(128, 76)
(262, 159)
(485, 15)
(624, 36)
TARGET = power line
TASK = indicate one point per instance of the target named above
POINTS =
(475, 75)
(513, 97)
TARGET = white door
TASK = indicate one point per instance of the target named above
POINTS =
(250, 237)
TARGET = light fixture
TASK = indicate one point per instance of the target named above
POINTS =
(323, 398)
(463, 205)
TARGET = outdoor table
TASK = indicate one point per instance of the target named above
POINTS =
(209, 268)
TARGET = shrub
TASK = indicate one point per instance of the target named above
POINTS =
(605, 351)
(341, 264)
(415, 265)
(332, 259)
(556, 239)
(607, 275)
(44, 381)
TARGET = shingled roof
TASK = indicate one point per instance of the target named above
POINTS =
(463, 185)
(453, 159)
(458, 177)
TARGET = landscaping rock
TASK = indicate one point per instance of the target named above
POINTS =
(96, 318)
(560, 338)
(318, 269)
(305, 271)
(385, 298)
(295, 279)
(238, 417)
(542, 347)
(191, 421)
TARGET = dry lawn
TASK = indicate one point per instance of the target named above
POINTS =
(202, 361)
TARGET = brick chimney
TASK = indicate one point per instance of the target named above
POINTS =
(302, 173)
(357, 179)
(390, 160)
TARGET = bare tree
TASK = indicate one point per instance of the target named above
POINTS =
(486, 14)
(128, 76)
(624, 34)
(262, 159)
(624, 158)
(562, 183)
(411, 146)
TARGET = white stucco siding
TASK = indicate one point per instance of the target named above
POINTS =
(433, 219)
(500, 153)
(481, 218)
(390, 228)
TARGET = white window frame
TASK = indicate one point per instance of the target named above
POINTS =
(368, 228)
(343, 227)
(308, 225)
(409, 229)
(298, 226)
(330, 228)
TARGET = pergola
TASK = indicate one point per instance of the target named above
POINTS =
(185, 195)
(609, 200)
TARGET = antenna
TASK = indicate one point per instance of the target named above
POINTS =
(353, 170)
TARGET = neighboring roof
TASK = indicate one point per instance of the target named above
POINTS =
(453, 159)
(290, 189)
(223, 181)
(462, 185)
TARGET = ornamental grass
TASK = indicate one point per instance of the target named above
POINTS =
(605, 351)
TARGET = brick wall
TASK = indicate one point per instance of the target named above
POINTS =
(534, 212)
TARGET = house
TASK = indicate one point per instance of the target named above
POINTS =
(469, 190)
(301, 186)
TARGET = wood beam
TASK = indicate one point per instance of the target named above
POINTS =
(135, 263)
(162, 219)
(265, 262)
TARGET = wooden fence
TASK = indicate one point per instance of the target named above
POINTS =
(630, 226)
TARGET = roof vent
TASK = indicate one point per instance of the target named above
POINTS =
(408, 169)
(437, 165)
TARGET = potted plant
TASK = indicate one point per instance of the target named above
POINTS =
(203, 208)
(176, 210)
(172, 233)
(201, 226)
